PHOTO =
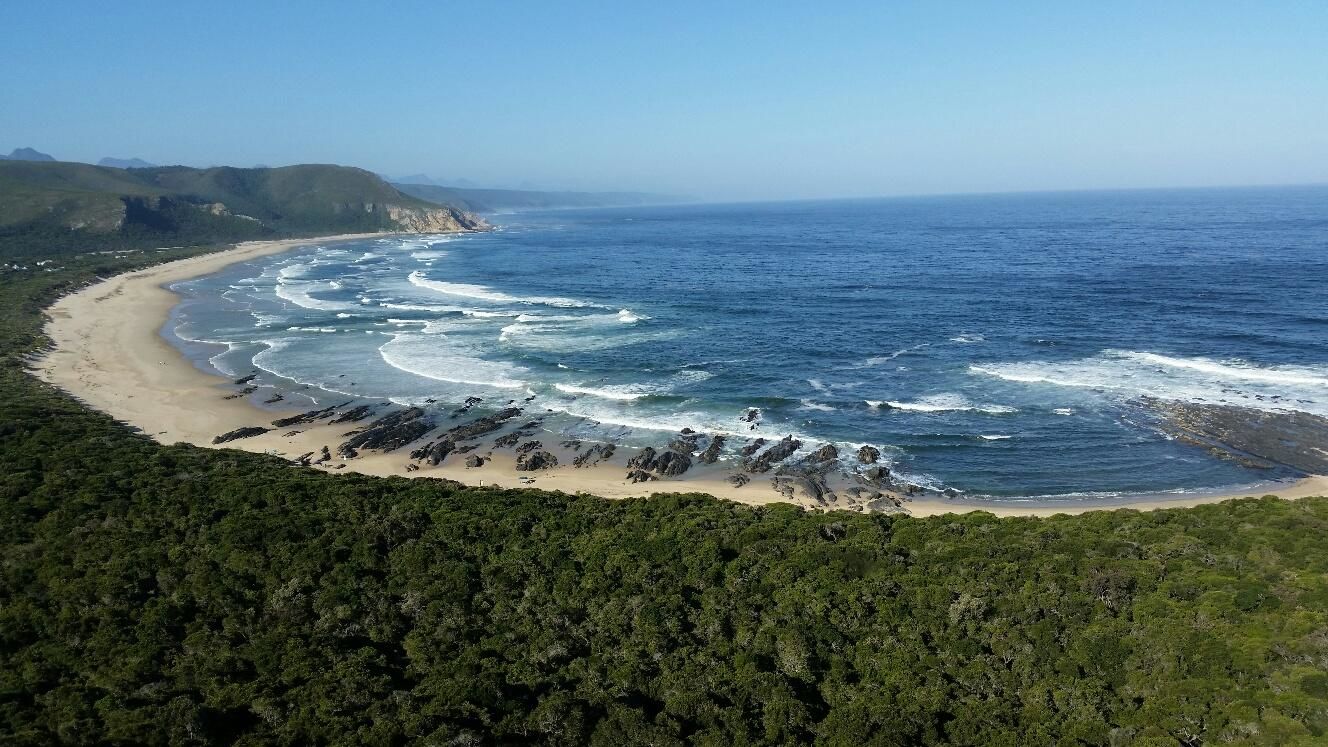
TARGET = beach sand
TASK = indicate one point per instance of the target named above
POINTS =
(108, 352)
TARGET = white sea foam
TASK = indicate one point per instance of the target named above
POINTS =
(1064, 411)
(311, 329)
(484, 293)
(422, 355)
(943, 403)
(881, 359)
(807, 404)
(968, 338)
(299, 294)
(625, 393)
(994, 437)
(1127, 373)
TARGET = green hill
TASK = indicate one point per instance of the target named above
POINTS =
(50, 204)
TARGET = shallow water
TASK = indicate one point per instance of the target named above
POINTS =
(995, 344)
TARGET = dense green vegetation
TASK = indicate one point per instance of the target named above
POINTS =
(168, 594)
(61, 207)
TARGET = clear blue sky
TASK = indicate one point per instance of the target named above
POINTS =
(721, 100)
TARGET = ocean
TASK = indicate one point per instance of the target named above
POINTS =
(1001, 345)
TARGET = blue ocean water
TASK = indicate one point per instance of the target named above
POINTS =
(1000, 345)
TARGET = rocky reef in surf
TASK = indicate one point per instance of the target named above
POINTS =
(1260, 439)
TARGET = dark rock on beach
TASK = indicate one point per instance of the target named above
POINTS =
(645, 460)
(390, 431)
(245, 379)
(353, 415)
(536, 460)
(869, 454)
(672, 463)
(238, 433)
(474, 460)
(307, 417)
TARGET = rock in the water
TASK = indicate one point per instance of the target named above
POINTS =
(248, 432)
(877, 473)
(536, 460)
(869, 454)
(752, 447)
(773, 455)
(245, 379)
(1250, 437)
(824, 454)
(711, 453)
(751, 416)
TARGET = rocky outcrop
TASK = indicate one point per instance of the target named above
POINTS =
(767, 459)
(389, 432)
(869, 454)
(593, 455)
(434, 451)
(353, 415)
(536, 460)
(712, 449)
(645, 460)
(474, 460)
(824, 454)
(672, 463)
(1250, 437)
(431, 220)
(668, 463)
(481, 426)
(307, 417)
(752, 447)
(248, 432)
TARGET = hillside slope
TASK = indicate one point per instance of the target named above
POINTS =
(67, 203)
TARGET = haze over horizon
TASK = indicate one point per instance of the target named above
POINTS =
(732, 103)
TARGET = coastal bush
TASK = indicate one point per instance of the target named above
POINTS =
(157, 594)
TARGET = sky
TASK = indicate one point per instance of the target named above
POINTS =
(717, 100)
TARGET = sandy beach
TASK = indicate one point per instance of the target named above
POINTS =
(108, 352)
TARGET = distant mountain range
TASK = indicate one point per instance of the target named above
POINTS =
(61, 204)
(26, 154)
(125, 163)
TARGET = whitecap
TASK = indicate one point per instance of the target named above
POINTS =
(484, 293)
(994, 437)
(422, 355)
(943, 403)
(968, 338)
(1127, 373)
(807, 404)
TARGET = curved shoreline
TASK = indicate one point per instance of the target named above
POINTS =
(108, 352)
